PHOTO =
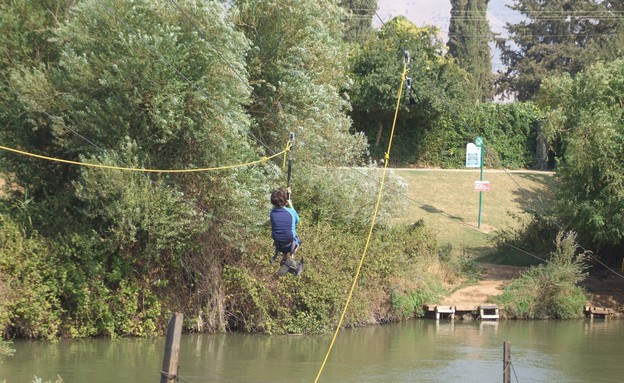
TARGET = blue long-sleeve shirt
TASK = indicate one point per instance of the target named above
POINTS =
(283, 224)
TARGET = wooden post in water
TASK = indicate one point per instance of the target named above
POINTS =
(169, 372)
(506, 362)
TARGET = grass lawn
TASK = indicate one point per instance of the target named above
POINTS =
(447, 202)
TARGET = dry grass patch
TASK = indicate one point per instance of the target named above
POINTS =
(447, 202)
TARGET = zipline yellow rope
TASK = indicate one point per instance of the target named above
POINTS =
(370, 232)
(101, 166)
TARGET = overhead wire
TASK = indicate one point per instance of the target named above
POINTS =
(599, 15)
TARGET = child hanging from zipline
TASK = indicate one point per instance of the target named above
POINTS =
(284, 220)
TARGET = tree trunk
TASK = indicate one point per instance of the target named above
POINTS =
(379, 132)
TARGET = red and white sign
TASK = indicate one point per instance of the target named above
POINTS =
(482, 186)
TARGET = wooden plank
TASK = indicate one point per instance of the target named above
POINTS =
(169, 370)
(466, 308)
(601, 310)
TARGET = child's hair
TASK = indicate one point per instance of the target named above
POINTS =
(279, 198)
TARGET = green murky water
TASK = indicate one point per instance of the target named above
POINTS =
(415, 351)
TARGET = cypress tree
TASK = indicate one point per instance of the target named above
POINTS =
(469, 34)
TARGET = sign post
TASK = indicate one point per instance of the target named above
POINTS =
(479, 143)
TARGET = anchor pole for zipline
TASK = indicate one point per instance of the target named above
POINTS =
(291, 139)
(481, 145)
(169, 372)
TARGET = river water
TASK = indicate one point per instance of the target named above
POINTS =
(413, 351)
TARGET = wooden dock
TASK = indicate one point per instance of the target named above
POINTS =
(598, 312)
(488, 312)
(484, 312)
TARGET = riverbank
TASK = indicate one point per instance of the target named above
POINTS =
(446, 201)
(605, 288)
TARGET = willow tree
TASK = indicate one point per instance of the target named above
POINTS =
(585, 113)
(137, 84)
(469, 36)
(298, 68)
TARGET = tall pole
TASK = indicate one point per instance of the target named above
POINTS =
(480, 143)
(506, 361)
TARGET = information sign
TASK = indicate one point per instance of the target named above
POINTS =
(473, 156)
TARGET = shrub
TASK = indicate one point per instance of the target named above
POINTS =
(549, 290)
(401, 272)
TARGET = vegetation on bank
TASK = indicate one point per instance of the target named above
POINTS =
(404, 269)
(89, 252)
(549, 290)
(178, 85)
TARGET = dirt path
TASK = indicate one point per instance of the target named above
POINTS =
(490, 285)
(605, 289)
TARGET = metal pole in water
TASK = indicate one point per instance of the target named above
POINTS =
(169, 372)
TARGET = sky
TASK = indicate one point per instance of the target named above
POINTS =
(438, 13)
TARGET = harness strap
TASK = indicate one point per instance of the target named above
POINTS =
(281, 245)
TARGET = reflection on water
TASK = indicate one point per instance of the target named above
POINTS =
(414, 351)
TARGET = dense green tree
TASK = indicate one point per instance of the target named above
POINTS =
(137, 85)
(298, 66)
(187, 84)
(439, 87)
(27, 28)
(509, 130)
(358, 19)
(557, 36)
(469, 36)
(586, 115)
